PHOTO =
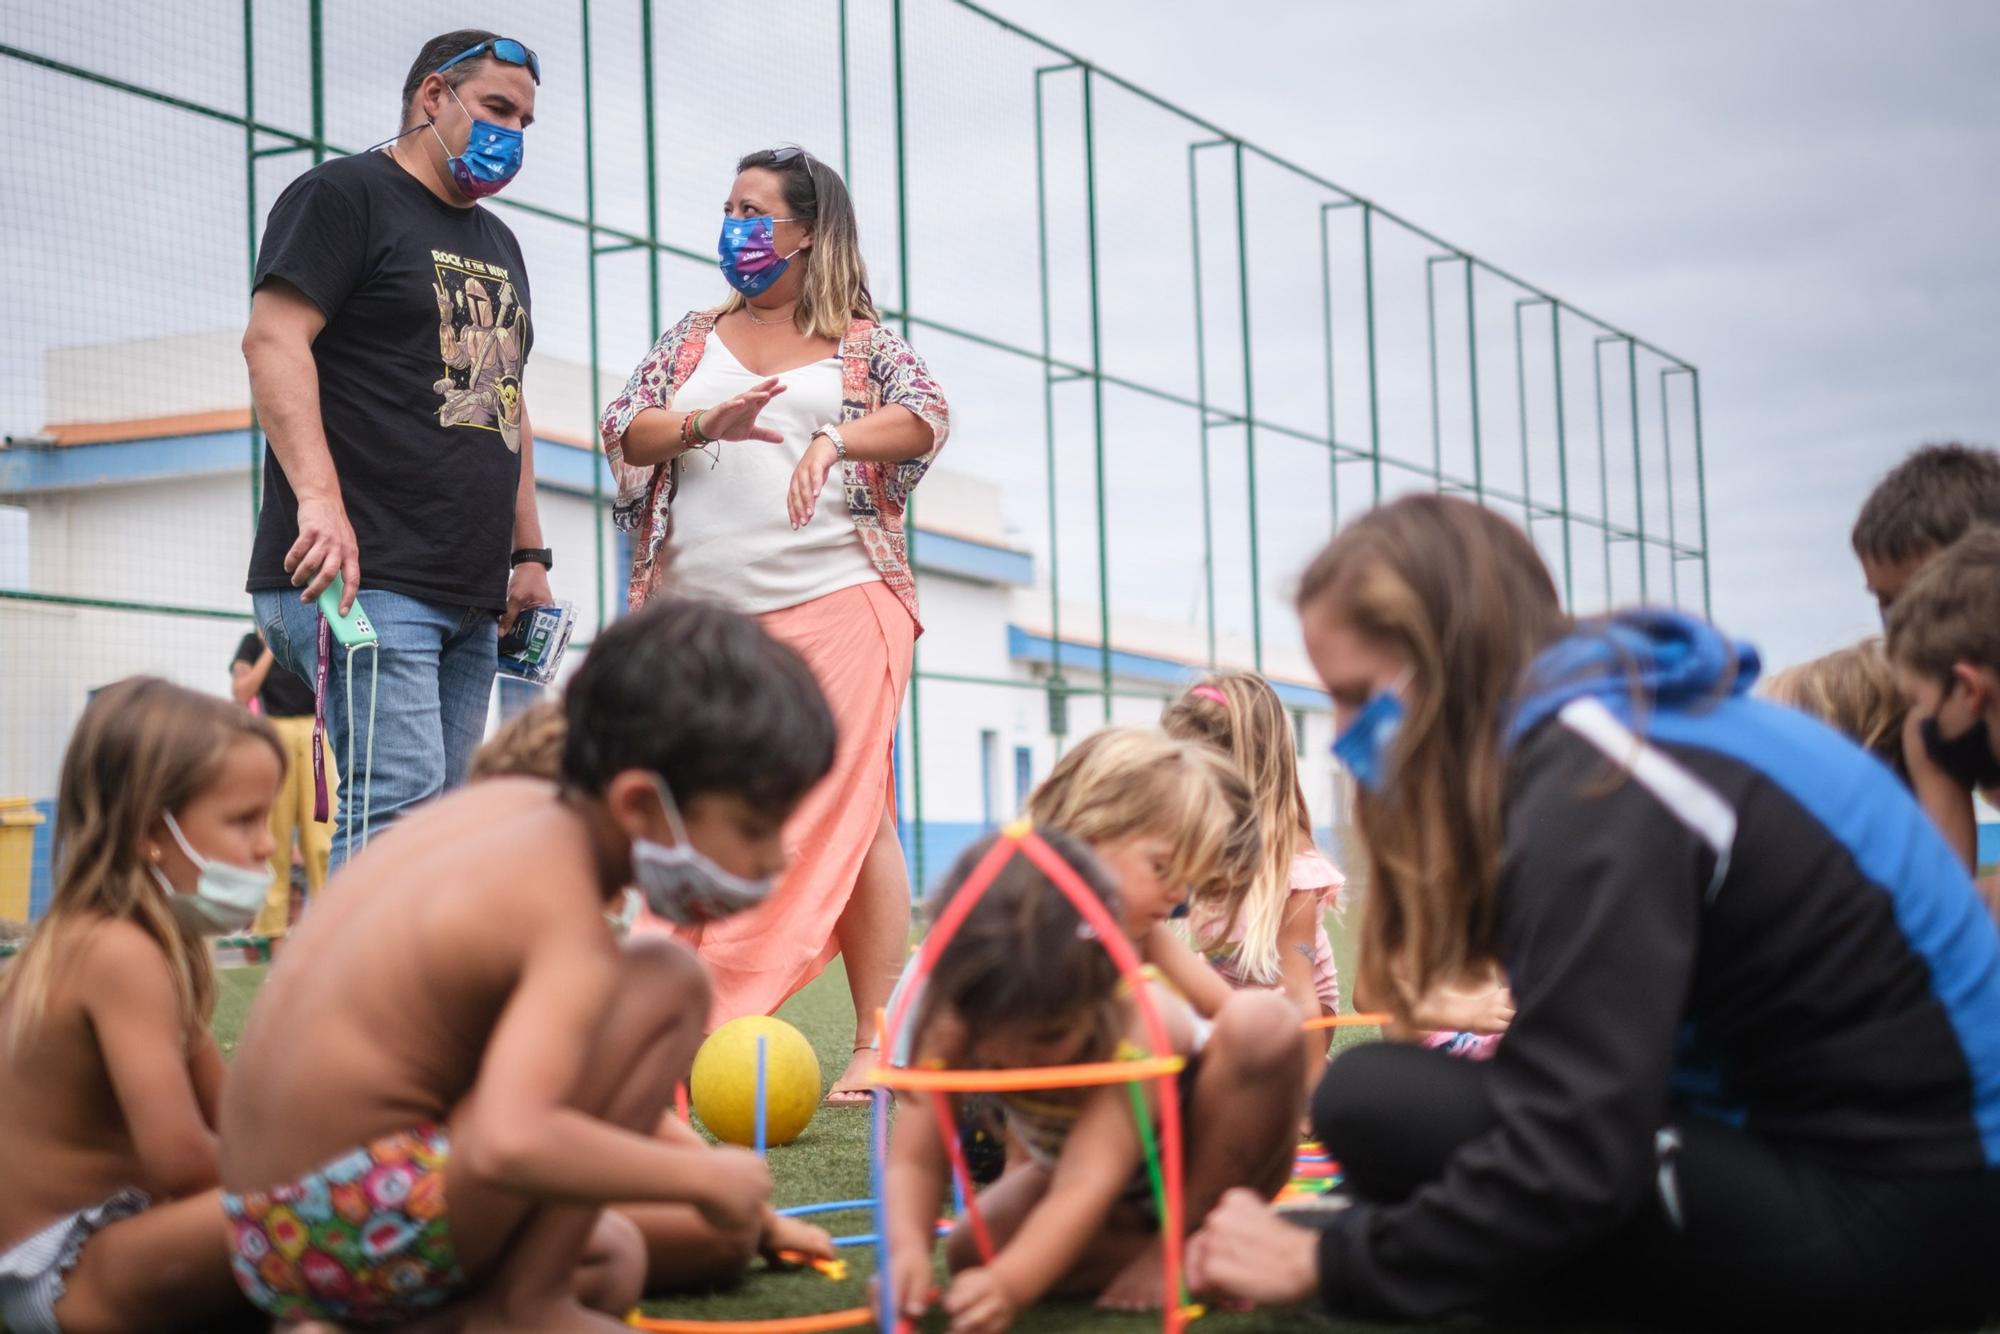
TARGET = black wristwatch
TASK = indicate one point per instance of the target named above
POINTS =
(541, 556)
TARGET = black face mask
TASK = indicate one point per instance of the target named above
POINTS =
(1967, 759)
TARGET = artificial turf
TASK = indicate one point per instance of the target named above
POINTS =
(830, 1162)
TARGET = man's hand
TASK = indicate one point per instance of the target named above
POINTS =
(325, 548)
(527, 587)
(1246, 1250)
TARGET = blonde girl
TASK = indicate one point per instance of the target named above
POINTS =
(1176, 825)
(1852, 690)
(1279, 936)
(109, 1078)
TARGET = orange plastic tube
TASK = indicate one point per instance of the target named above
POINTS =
(798, 1324)
(1027, 1077)
(1346, 1021)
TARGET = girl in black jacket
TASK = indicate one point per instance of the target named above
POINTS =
(1754, 1071)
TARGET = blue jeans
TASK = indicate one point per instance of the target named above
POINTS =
(432, 686)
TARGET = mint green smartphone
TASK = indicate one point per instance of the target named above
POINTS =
(354, 629)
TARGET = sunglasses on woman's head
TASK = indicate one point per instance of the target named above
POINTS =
(504, 49)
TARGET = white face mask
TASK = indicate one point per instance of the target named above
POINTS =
(682, 884)
(225, 899)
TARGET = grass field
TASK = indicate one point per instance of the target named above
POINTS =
(830, 1162)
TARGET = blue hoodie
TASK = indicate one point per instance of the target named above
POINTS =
(1671, 661)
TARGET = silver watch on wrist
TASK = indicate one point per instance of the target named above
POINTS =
(839, 445)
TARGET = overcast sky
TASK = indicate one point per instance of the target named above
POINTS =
(1800, 198)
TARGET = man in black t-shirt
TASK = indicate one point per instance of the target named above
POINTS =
(257, 678)
(388, 338)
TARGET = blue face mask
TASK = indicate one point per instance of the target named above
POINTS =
(1363, 747)
(492, 156)
(749, 254)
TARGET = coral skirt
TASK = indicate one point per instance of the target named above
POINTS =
(858, 642)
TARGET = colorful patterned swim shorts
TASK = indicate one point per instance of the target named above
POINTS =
(361, 1241)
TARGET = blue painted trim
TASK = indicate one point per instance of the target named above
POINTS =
(944, 840)
(41, 874)
(1173, 673)
(125, 463)
(982, 562)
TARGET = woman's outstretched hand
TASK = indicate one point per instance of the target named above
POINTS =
(1245, 1250)
(736, 418)
(808, 480)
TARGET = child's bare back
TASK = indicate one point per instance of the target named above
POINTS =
(397, 977)
(69, 1140)
(455, 1067)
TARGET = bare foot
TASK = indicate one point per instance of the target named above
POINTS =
(852, 1088)
(1137, 1287)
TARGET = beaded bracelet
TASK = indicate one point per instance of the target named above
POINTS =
(692, 436)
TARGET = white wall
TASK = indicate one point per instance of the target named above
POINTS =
(187, 541)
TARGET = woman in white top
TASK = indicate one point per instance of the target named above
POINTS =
(783, 432)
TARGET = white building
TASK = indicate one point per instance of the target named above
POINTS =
(125, 527)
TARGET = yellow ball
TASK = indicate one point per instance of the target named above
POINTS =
(723, 1084)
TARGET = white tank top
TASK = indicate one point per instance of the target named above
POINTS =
(732, 539)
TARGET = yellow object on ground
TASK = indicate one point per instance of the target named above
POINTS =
(723, 1085)
(18, 822)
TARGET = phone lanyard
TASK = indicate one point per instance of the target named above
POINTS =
(319, 734)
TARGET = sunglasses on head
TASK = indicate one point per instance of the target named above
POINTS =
(504, 49)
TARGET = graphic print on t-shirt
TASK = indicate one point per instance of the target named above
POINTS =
(482, 336)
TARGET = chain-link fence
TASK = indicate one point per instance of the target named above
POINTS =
(1175, 360)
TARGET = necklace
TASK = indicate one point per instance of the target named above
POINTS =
(751, 311)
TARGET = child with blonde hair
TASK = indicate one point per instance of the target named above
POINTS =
(1854, 691)
(1279, 936)
(109, 1079)
(1176, 825)
(1025, 982)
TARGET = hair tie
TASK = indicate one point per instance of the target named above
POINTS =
(1210, 692)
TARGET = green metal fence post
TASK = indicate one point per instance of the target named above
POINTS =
(652, 168)
(1097, 393)
(1603, 465)
(1701, 493)
(1667, 451)
(1521, 401)
(1326, 321)
(1431, 343)
(250, 234)
(909, 514)
(1058, 687)
(1472, 383)
(1249, 416)
(1638, 461)
(597, 515)
(846, 138)
(318, 83)
(1374, 386)
(1201, 392)
(1562, 448)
